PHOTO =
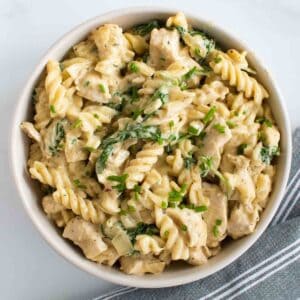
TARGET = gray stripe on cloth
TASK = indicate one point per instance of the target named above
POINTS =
(270, 270)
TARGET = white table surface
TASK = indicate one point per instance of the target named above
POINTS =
(29, 268)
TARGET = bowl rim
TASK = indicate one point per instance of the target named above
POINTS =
(130, 280)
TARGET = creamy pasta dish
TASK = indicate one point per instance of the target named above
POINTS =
(152, 145)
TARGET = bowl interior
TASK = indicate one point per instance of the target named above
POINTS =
(29, 191)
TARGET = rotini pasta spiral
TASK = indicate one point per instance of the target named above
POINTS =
(87, 209)
(149, 244)
(55, 90)
(144, 161)
(239, 78)
(170, 233)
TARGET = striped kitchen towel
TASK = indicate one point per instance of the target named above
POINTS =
(269, 270)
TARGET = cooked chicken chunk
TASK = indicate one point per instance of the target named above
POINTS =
(242, 222)
(198, 255)
(93, 87)
(85, 235)
(164, 48)
(141, 265)
(30, 130)
(191, 224)
(240, 180)
(56, 211)
(217, 210)
(215, 140)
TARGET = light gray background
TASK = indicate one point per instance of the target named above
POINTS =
(29, 268)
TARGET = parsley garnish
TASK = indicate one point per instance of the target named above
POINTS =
(137, 190)
(131, 131)
(57, 139)
(144, 29)
(265, 121)
(267, 154)
(218, 59)
(177, 196)
(89, 149)
(121, 180)
(230, 124)
(205, 165)
(241, 148)
(183, 227)
(101, 88)
(141, 228)
(164, 204)
(52, 109)
(133, 67)
(161, 94)
(171, 124)
(78, 184)
(209, 115)
(77, 124)
(220, 128)
(216, 227)
(189, 161)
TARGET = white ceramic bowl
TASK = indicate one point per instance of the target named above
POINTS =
(29, 189)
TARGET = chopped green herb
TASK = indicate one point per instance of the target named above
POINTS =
(144, 29)
(241, 148)
(166, 233)
(136, 113)
(265, 121)
(101, 88)
(230, 124)
(197, 52)
(142, 228)
(201, 208)
(216, 227)
(189, 161)
(131, 209)
(89, 149)
(133, 67)
(164, 204)
(171, 124)
(137, 190)
(131, 131)
(187, 76)
(177, 196)
(61, 66)
(121, 180)
(184, 227)
(162, 94)
(78, 184)
(193, 131)
(202, 135)
(132, 92)
(52, 109)
(218, 222)
(74, 141)
(180, 29)
(217, 59)
(220, 128)
(209, 115)
(87, 83)
(123, 212)
(205, 165)
(77, 124)
(267, 154)
(57, 138)
(96, 116)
